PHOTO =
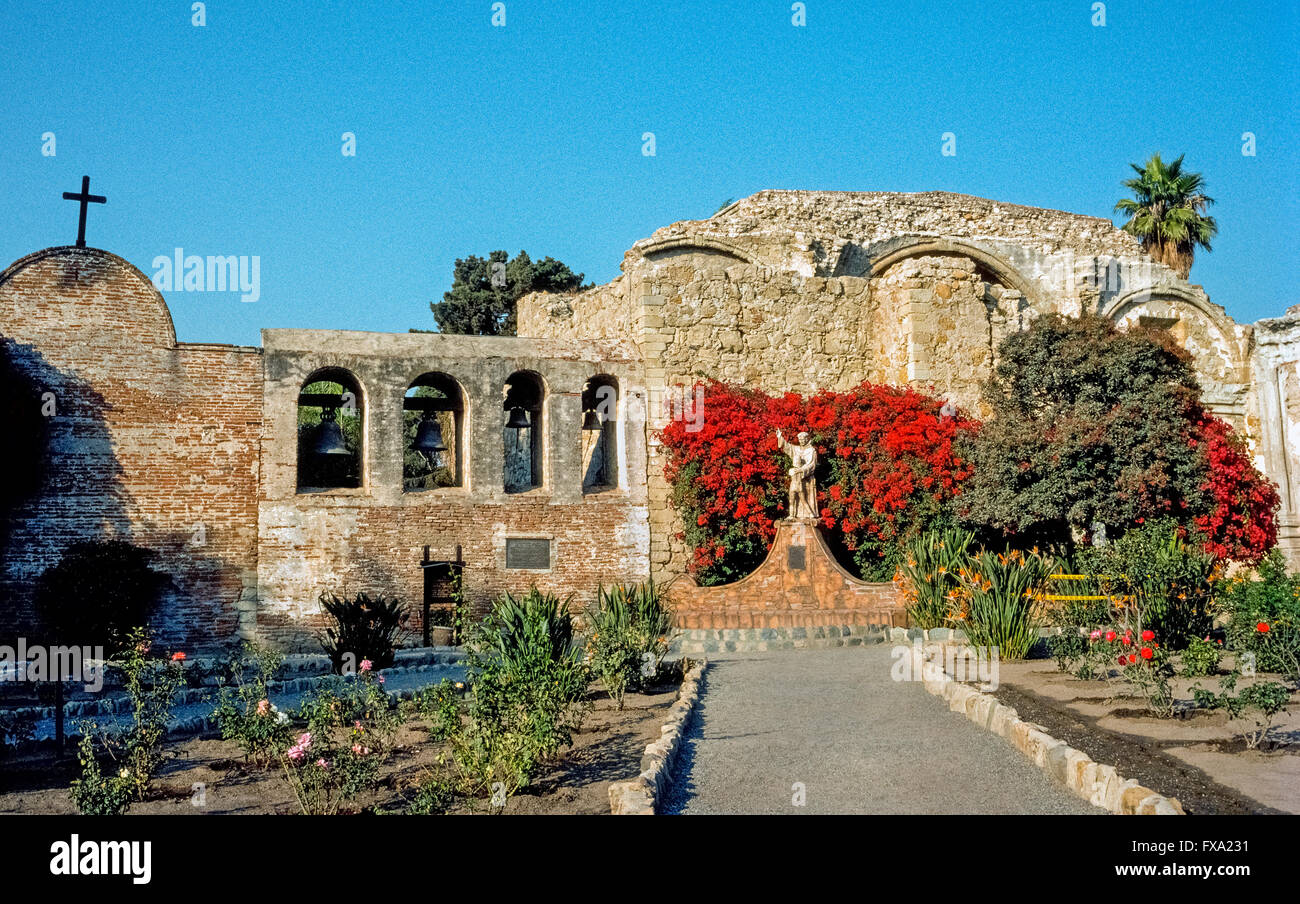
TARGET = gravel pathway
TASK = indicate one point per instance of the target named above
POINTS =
(855, 741)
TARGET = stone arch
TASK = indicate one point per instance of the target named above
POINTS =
(1211, 338)
(921, 246)
(601, 433)
(525, 395)
(345, 408)
(700, 243)
(434, 398)
(936, 312)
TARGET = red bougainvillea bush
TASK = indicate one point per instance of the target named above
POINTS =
(1240, 523)
(889, 466)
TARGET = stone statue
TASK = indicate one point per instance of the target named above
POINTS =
(803, 485)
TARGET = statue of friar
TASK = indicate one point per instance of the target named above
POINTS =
(803, 485)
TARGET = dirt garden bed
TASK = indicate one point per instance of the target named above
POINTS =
(1196, 756)
(608, 748)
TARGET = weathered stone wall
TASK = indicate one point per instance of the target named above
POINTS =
(1275, 404)
(372, 538)
(149, 441)
(807, 290)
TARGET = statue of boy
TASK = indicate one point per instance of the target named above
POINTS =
(803, 485)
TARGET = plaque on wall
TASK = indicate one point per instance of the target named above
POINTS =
(795, 558)
(527, 552)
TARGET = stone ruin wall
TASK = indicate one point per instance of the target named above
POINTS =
(807, 290)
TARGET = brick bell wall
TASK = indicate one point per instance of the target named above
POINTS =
(150, 441)
(371, 539)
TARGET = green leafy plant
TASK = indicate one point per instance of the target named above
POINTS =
(96, 792)
(631, 629)
(137, 751)
(244, 711)
(15, 728)
(1094, 424)
(364, 628)
(1259, 702)
(434, 795)
(1270, 597)
(928, 575)
(998, 596)
(441, 705)
(1171, 581)
(528, 688)
(1201, 657)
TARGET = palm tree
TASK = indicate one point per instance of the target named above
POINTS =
(1167, 212)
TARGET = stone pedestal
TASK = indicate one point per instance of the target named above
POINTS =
(799, 584)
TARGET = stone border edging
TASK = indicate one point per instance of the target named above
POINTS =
(640, 796)
(1099, 784)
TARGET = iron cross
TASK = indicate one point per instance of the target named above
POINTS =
(85, 198)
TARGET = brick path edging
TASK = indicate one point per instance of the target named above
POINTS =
(640, 796)
(1099, 784)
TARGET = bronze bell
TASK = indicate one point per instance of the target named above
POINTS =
(590, 420)
(428, 436)
(329, 436)
(518, 419)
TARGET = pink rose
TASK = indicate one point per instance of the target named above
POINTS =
(366, 665)
(263, 707)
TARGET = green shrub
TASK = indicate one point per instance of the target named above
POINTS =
(434, 795)
(999, 596)
(528, 687)
(244, 710)
(1271, 597)
(98, 793)
(631, 629)
(363, 629)
(441, 705)
(1169, 581)
(1201, 658)
(929, 569)
(137, 751)
(97, 593)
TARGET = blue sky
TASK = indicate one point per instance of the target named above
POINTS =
(226, 139)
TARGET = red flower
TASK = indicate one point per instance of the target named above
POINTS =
(1146, 653)
(1148, 635)
(1132, 658)
(1262, 627)
(1128, 641)
(1123, 660)
(178, 657)
(1110, 636)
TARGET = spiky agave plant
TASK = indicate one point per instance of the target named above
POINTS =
(523, 630)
